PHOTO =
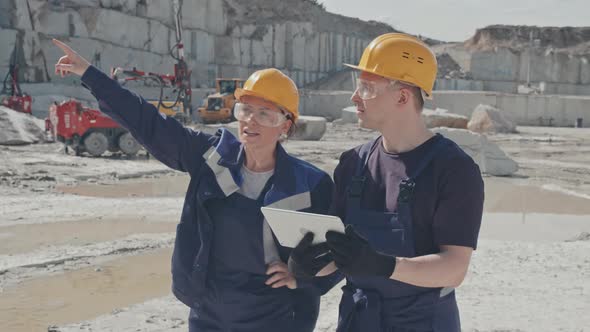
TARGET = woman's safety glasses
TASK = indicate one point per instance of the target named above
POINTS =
(262, 115)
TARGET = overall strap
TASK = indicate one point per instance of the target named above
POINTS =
(406, 187)
(357, 182)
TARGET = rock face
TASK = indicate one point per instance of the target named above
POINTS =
(490, 120)
(442, 118)
(575, 40)
(18, 128)
(497, 58)
(488, 156)
(449, 68)
(501, 53)
(222, 38)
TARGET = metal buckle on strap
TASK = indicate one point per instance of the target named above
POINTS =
(356, 186)
(360, 299)
(446, 291)
(406, 190)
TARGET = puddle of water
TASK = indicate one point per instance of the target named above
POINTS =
(501, 195)
(514, 212)
(24, 238)
(84, 294)
(166, 186)
(536, 227)
(504, 196)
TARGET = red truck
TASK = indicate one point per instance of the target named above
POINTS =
(89, 130)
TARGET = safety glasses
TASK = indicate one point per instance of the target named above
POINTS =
(370, 90)
(262, 115)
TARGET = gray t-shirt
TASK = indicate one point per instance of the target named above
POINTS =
(252, 185)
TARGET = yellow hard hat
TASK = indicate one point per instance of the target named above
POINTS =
(401, 57)
(274, 86)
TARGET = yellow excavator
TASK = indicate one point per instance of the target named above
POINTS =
(168, 107)
(218, 107)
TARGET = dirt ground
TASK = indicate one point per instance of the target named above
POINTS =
(85, 243)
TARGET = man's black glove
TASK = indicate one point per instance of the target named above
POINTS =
(354, 256)
(307, 260)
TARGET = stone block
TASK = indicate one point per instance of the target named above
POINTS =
(309, 128)
(245, 51)
(312, 52)
(280, 45)
(161, 38)
(490, 120)
(227, 50)
(206, 15)
(261, 53)
(339, 52)
(160, 10)
(442, 118)
(488, 156)
(116, 27)
(7, 39)
(124, 6)
(349, 115)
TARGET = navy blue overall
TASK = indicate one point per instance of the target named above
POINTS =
(236, 288)
(382, 304)
(213, 163)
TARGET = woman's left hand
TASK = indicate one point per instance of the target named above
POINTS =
(280, 276)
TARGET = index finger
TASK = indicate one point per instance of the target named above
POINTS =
(63, 46)
(306, 241)
(273, 268)
(333, 236)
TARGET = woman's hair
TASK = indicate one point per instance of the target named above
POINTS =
(293, 127)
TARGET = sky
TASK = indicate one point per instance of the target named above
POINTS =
(457, 20)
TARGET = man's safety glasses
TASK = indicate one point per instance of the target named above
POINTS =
(369, 90)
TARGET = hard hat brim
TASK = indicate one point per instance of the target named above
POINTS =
(367, 70)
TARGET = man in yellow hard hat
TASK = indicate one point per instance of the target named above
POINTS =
(411, 201)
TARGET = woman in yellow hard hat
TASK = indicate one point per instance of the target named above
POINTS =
(412, 201)
(227, 266)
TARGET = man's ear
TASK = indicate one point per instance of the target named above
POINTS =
(404, 97)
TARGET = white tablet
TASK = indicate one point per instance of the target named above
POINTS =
(290, 226)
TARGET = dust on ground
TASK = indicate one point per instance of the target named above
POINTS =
(86, 242)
